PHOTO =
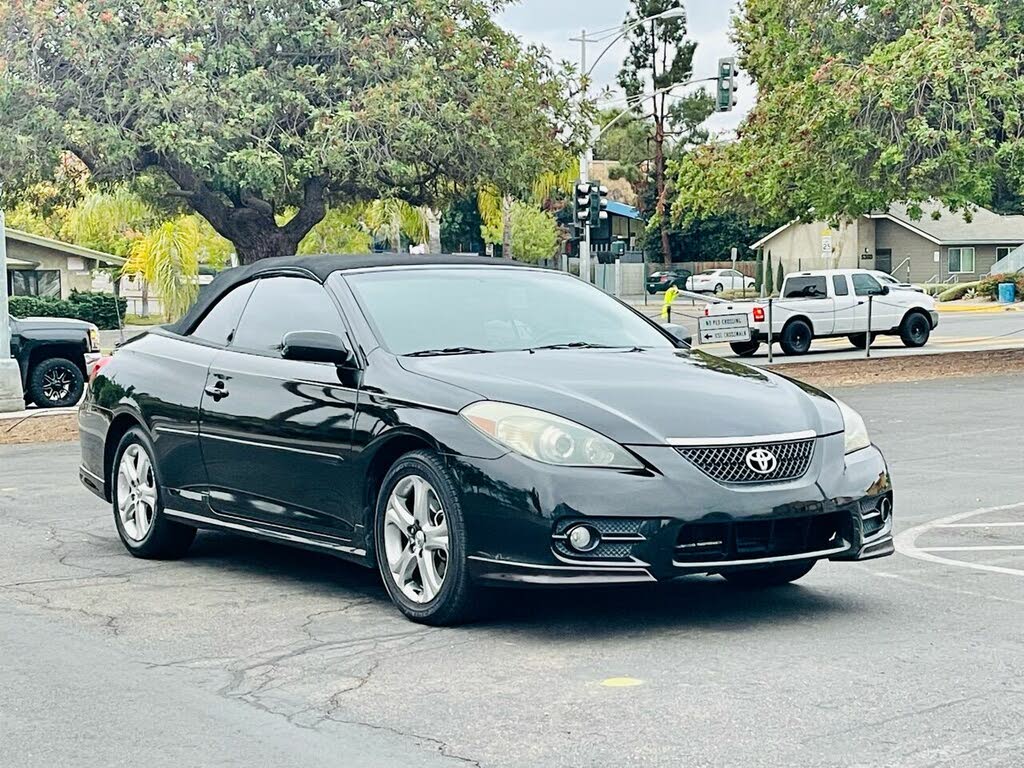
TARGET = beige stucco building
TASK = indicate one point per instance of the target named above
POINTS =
(41, 266)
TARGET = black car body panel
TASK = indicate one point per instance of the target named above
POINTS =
(295, 451)
(37, 338)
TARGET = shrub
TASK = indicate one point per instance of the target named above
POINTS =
(934, 289)
(989, 286)
(95, 308)
(958, 291)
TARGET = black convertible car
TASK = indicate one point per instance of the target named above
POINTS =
(462, 422)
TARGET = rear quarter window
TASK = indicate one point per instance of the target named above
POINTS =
(219, 323)
(806, 288)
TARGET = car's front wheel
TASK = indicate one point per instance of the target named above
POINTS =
(420, 537)
(137, 497)
(769, 576)
(56, 383)
(915, 330)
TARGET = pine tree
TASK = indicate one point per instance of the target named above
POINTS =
(769, 278)
(759, 271)
(780, 277)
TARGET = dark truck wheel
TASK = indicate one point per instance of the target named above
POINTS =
(860, 340)
(915, 330)
(55, 383)
(796, 338)
(745, 348)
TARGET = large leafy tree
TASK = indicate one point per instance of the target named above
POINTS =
(661, 58)
(862, 103)
(245, 110)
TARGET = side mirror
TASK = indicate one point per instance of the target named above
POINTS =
(884, 291)
(315, 347)
(679, 333)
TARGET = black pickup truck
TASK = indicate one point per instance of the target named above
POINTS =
(53, 354)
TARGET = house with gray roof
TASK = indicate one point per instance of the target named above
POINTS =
(940, 246)
(42, 266)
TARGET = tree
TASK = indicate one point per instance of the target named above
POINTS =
(341, 231)
(534, 235)
(242, 110)
(759, 272)
(780, 277)
(769, 277)
(862, 104)
(167, 259)
(460, 227)
(661, 57)
(390, 219)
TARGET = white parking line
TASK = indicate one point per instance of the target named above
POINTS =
(980, 525)
(905, 542)
(974, 549)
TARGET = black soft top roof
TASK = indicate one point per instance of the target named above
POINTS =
(319, 268)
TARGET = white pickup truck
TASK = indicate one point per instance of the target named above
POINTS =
(833, 302)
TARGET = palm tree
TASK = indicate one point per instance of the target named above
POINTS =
(167, 259)
(391, 218)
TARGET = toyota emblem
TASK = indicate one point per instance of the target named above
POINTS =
(762, 461)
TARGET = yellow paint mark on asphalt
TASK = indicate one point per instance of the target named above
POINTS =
(621, 682)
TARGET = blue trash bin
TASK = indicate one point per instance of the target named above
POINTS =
(1007, 293)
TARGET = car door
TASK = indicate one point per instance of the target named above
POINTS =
(845, 304)
(276, 434)
(884, 313)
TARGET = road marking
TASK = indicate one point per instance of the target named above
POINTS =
(621, 682)
(980, 525)
(998, 548)
(905, 541)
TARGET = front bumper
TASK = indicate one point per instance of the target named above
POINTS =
(934, 316)
(517, 513)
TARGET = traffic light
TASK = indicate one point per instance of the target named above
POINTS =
(581, 204)
(727, 85)
(598, 204)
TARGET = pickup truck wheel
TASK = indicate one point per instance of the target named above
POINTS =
(796, 338)
(915, 330)
(745, 348)
(56, 383)
(859, 340)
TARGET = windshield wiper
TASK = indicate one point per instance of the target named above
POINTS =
(449, 351)
(586, 345)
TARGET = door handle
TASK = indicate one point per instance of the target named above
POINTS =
(217, 391)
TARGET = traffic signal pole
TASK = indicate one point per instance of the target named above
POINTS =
(585, 157)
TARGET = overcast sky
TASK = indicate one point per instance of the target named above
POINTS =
(552, 22)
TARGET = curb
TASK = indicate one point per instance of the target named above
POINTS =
(998, 308)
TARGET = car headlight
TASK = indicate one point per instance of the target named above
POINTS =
(546, 437)
(855, 432)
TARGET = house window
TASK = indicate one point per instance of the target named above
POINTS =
(34, 282)
(1003, 251)
(961, 260)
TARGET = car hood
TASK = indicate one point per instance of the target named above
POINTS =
(52, 323)
(641, 397)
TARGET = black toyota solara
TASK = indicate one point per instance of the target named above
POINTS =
(463, 423)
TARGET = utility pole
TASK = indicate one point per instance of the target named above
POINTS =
(12, 397)
(585, 157)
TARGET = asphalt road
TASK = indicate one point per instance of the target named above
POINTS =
(256, 655)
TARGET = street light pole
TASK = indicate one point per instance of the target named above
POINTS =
(11, 394)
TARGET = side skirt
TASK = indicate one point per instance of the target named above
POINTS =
(346, 551)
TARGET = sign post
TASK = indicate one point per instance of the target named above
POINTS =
(11, 395)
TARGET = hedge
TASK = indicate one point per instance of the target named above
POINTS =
(95, 308)
(989, 286)
(957, 291)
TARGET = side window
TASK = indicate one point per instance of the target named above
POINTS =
(805, 288)
(222, 319)
(841, 286)
(280, 305)
(866, 285)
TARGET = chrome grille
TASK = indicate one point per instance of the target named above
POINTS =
(728, 463)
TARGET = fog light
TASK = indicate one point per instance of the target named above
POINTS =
(583, 538)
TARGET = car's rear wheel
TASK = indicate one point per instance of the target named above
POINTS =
(56, 383)
(719, 288)
(138, 505)
(769, 576)
(915, 330)
(745, 348)
(420, 537)
(796, 338)
(860, 340)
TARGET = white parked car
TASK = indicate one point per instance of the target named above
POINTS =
(886, 279)
(718, 280)
(833, 303)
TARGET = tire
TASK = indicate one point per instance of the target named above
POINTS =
(859, 340)
(769, 576)
(403, 538)
(745, 348)
(915, 330)
(652, 291)
(719, 288)
(56, 383)
(796, 338)
(152, 536)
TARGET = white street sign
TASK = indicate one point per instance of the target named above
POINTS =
(826, 246)
(722, 328)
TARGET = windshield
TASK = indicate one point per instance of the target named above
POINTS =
(493, 309)
(710, 272)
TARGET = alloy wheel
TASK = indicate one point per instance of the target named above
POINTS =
(416, 539)
(136, 492)
(57, 384)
